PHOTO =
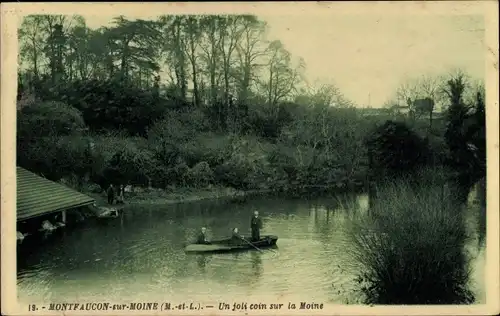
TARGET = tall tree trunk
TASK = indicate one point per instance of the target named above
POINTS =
(183, 80)
(35, 60)
(270, 94)
(196, 97)
(430, 122)
(226, 82)
(213, 88)
(123, 66)
(245, 84)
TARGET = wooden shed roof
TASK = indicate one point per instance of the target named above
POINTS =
(38, 196)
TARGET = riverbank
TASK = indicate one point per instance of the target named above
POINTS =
(180, 195)
(153, 196)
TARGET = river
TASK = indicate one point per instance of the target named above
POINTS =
(140, 257)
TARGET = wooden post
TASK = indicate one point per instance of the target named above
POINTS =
(63, 217)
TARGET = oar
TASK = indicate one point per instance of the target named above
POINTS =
(251, 244)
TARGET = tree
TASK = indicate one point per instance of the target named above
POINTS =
(174, 48)
(394, 149)
(211, 53)
(230, 31)
(424, 106)
(135, 43)
(420, 88)
(249, 51)
(463, 131)
(79, 54)
(48, 119)
(194, 32)
(41, 131)
(457, 112)
(477, 132)
(57, 27)
(31, 38)
(55, 52)
(323, 95)
(283, 77)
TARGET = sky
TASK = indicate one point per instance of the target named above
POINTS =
(367, 56)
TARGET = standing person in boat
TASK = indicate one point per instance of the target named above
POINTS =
(202, 237)
(111, 194)
(256, 226)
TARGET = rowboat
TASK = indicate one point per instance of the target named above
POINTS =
(227, 245)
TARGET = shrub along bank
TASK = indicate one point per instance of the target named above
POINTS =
(410, 247)
(181, 150)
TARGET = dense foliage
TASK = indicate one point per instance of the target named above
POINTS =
(115, 103)
(204, 100)
(465, 132)
(394, 148)
(410, 249)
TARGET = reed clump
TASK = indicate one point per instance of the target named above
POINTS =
(410, 246)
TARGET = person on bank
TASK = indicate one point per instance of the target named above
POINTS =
(202, 237)
(256, 226)
(111, 194)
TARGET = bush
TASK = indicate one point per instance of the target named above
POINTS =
(73, 156)
(267, 121)
(212, 148)
(170, 129)
(130, 166)
(123, 160)
(195, 119)
(249, 163)
(39, 156)
(394, 149)
(410, 247)
(200, 175)
(56, 157)
(112, 104)
(48, 118)
(178, 173)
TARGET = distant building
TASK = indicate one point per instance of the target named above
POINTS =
(401, 109)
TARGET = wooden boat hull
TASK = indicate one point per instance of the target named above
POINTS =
(226, 245)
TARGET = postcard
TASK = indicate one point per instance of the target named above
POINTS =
(240, 158)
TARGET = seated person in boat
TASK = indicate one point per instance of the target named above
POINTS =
(202, 237)
(236, 237)
(256, 226)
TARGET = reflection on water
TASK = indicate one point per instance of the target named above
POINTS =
(140, 255)
(202, 261)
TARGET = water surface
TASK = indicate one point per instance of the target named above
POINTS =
(140, 256)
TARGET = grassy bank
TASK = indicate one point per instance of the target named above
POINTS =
(179, 195)
(410, 247)
(186, 194)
